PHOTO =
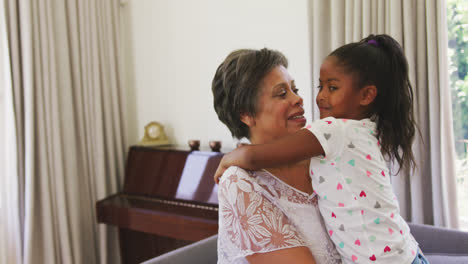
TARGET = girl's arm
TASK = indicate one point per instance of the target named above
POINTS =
(289, 149)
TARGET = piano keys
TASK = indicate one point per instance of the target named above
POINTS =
(169, 200)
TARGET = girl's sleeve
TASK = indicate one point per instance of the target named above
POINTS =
(248, 221)
(330, 133)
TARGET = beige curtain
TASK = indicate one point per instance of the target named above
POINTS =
(69, 125)
(429, 195)
(10, 231)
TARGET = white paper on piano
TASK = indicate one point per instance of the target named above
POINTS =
(196, 168)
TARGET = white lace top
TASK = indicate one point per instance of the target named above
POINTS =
(259, 213)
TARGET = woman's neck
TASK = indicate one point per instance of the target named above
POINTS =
(294, 174)
(263, 139)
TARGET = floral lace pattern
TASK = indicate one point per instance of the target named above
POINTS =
(255, 211)
(281, 189)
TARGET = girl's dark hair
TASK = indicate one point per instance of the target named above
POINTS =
(236, 85)
(379, 60)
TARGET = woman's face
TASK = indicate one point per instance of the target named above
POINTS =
(280, 109)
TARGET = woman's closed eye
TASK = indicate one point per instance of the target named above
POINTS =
(282, 93)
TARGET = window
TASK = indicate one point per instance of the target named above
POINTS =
(457, 21)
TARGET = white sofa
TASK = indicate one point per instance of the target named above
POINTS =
(439, 245)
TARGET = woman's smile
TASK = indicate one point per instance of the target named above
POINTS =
(298, 117)
(280, 108)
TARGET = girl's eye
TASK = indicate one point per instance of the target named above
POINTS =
(320, 87)
(333, 88)
(296, 91)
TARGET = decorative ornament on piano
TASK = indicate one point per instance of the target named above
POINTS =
(215, 146)
(194, 144)
(154, 135)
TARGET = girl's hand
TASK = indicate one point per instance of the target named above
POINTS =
(236, 157)
(221, 168)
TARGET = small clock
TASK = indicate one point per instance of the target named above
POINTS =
(154, 135)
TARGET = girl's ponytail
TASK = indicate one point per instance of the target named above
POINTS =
(393, 107)
(379, 60)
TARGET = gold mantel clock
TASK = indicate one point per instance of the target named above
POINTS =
(154, 135)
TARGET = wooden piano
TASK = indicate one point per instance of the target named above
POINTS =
(169, 200)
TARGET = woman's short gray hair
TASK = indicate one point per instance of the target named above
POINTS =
(236, 85)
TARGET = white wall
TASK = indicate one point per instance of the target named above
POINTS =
(173, 47)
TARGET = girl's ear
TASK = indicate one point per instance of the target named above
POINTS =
(247, 119)
(368, 94)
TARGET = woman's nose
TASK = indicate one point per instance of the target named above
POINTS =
(298, 100)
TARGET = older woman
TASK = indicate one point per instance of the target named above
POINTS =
(263, 219)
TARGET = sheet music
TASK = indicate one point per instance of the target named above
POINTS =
(196, 183)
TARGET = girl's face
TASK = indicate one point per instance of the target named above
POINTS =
(337, 95)
(280, 110)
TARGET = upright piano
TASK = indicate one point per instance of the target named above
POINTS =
(169, 200)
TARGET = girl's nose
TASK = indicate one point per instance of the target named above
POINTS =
(321, 95)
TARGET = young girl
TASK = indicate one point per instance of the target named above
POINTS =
(366, 110)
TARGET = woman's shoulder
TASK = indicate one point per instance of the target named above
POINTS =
(235, 170)
(237, 179)
(235, 173)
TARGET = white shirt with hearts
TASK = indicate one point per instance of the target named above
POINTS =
(356, 199)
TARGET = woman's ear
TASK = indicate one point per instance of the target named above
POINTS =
(368, 94)
(247, 119)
